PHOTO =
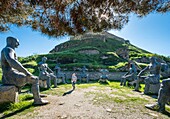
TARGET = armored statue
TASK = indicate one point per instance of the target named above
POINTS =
(15, 74)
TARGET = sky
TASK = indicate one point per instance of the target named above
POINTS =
(151, 33)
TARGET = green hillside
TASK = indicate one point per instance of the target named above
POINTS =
(74, 54)
(70, 57)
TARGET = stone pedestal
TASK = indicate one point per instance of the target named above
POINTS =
(154, 88)
(43, 83)
(8, 94)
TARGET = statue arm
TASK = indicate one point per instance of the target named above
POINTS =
(9, 55)
(50, 70)
(145, 69)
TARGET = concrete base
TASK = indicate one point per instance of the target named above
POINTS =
(154, 88)
(8, 94)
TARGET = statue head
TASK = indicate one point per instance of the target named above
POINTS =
(12, 42)
(84, 67)
(44, 59)
(152, 59)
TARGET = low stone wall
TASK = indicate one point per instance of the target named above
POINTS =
(96, 75)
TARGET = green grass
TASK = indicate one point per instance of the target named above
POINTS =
(32, 63)
(123, 95)
(69, 55)
(101, 94)
(24, 105)
(103, 98)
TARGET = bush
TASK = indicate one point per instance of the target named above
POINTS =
(118, 66)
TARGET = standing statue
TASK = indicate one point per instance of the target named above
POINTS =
(163, 97)
(153, 78)
(131, 75)
(46, 73)
(60, 74)
(15, 74)
(84, 75)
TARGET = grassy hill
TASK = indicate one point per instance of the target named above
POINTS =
(75, 54)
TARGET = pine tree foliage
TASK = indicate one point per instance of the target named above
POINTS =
(60, 17)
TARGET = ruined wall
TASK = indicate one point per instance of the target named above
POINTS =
(96, 75)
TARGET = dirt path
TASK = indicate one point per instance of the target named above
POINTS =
(79, 106)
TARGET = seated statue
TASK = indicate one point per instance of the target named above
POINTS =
(83, 74)
(165, 72)
(46, 73)
(103, 77)
(153, 77)
(60, 74)
(163, 97)
(15, 74)
(131, 75)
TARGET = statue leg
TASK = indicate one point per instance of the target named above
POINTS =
(53, 77)
(55, 82)
(162, 99)
(124, 82)
(80, 79)
(147, 85)
(48, 80)
(35, 87)
(121, 82)
(34, 81)
(63, 79)
(87, 79)
(164, 94)
(137, 84)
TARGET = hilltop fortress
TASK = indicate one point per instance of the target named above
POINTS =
(102, 35)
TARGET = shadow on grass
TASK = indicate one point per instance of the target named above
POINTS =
(68, 92)
(166, 113)
(17, 111)
(104, 83)
(9, 109)
(155, 96)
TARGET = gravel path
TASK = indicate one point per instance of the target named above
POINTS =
(79, 106)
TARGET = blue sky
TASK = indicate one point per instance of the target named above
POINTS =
(151, 33)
